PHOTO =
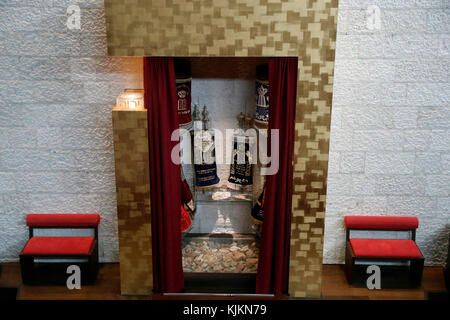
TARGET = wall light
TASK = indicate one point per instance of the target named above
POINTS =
(131, 99)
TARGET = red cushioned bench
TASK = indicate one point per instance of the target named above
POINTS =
(60, 247)
(383, 249)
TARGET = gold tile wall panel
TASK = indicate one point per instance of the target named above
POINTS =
(255, 28)
(133, 201)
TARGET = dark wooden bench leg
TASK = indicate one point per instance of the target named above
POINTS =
(27, 269)
(416, 271)
(93, 266)
(349, 262)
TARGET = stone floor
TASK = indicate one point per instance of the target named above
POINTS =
(220, 255)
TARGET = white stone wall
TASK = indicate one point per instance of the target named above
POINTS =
(57, 90)
(390, 135)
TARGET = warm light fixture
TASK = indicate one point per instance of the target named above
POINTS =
(131, 99)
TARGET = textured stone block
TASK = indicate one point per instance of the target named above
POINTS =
(342, 139)
(386, 4)
(385, 185)
(443, 206)
(49, 138)
(106, 69)
(34, 68)
(438, 21)
(440, 140)
(42, 43)
(404, 118)
(434, 117)
(406, 46)
(41, 91)
(427, 163)
(405, 21)
(340, 184)
(7, 182)
(56, 160)
(334, 162)
(20, 19)
(352, 21)
(89, 202)
(13, 138)
(87, 138)
(370, 205)
(66, 182)
(416, 140)
(339, 205)
(10, 116)
(102, 92)
(389, 163)
(419, 206)
(445, 164)
(371, 94)
(351, 71)
(429, 94)
(431, 4)
(373, 46)
(367, 118)
(336, 119)
(352, 162)
(419, 70)
(347, 46)
(382, 140)
(438, 185)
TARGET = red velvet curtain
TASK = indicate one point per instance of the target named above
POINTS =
(161, 101)
(273, 264)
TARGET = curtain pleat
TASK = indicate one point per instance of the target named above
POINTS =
(273, 262)
(161, 102)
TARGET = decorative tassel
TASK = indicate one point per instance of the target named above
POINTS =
(187, 199)
(186, 222)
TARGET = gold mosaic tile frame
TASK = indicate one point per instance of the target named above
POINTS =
(133, 201)
(261, 28)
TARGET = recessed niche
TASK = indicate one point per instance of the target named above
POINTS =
(224, 238)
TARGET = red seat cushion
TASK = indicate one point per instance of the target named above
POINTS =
(58, 246)
(385, 248)
(381, 222)
(63, 220)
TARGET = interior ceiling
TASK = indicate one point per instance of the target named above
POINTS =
(226, 67)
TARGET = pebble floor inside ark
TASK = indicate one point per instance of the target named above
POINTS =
(220, 255)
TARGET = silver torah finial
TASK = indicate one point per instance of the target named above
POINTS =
(196, 118)
(196, 113)
(241, 119)
(205, 119)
